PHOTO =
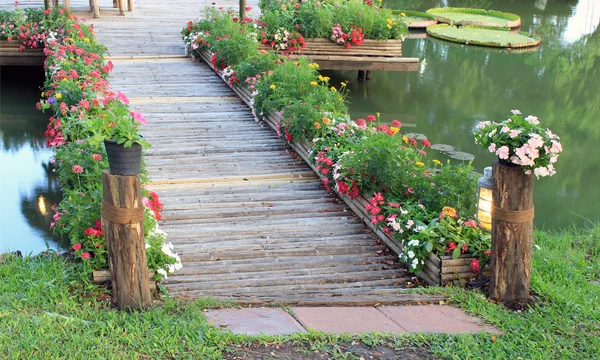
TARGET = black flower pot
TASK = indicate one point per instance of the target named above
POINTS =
(122, 160)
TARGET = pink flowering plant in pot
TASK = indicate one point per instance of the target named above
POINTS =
(521, 141)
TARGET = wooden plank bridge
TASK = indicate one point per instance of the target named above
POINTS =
(249, 218)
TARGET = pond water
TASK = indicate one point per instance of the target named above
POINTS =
(29, 188)
(460, 85)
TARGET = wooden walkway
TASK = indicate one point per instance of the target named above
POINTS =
(249, 218)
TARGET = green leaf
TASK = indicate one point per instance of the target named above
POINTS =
(456, 253)
(429, 246)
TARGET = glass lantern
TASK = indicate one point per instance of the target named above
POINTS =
(484, 199)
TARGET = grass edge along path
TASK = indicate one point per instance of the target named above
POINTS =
(45, 312)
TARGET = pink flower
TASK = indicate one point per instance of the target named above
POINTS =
(471, 223)
(492, 148)
(122, 97)
(139, 118)
(85, 255)
(371, 118)
(396, 123)
(77, 169)
(96, 157)
(502, 152)
(514, 133)
(76, 247)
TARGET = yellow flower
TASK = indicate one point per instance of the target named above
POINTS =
(326, 121)
(450, 211)
(410, 23)
(317, 125)
(326, 78)
(402, 14)
(389, 20)
(58, 95)
(272, 86)
(314, 83)
(389, 26)
(333, 89)
(418, 163)
(405, 139)
(42, 94)
(437, 162)
(340, 98)
(86, 40)
(321, 78)
(394, 129)
(343, 84)
(316, 66)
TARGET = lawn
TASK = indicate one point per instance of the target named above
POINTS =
(47, 312)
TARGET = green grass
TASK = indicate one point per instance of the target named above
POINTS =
(45, 312)
(477, 35)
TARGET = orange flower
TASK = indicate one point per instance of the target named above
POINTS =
(450, 211)
(317, 125)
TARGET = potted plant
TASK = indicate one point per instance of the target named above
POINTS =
(519, 141)
(117, 128)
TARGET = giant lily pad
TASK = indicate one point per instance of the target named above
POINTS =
(416, 136)
(479, 17)
(415, 19)
(484, 36)
(459, 155)
(443, 147)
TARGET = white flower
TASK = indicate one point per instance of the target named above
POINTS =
(148, 246)
(515, 112)
(411, 254)
(532, 120)
(162, 272)
(537, 247)
(415, 263)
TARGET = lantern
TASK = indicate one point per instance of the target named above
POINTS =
(484, 199)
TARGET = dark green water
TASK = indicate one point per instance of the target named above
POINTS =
(460, 85)
(29, 188)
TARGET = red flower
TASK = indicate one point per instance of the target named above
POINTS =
(371, 118)
(98, 225)
(475, 265)
(76, 247)
(488, 252)
(465, 248)
(426, 143)
(92, 232)
(451, 246)
(85, 255)
(96, 157)
(98, 246)
(471, 223)
(396, 123)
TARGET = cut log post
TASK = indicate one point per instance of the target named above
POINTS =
(130, 5)
(46, 4)
(242, 9)
(123, 227)
(512, 234)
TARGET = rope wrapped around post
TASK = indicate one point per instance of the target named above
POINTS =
(119, 215)
(513, 216)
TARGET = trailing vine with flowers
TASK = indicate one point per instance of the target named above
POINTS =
(84, 111)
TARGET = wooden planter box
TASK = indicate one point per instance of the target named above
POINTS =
(370, 55)
(443, 270)
(11, 56)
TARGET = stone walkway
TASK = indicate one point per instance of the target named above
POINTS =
(353, 320)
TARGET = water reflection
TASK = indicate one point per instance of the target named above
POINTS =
(29, 187)
(459, 85)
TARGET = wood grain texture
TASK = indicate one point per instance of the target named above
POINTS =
(125, 244)
(512, 242)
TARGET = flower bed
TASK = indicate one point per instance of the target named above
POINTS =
(405, 192)
(83, 106)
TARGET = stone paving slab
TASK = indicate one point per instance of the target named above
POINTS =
(435, 319)
(354, 320)
(254, 321)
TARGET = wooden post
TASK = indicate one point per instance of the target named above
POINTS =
(95, 8)
(130, 5)
(46, 4)
(242, 10)
(121, 7)
(123, 227)
(361, 75)
(368, 76)
(512, 234)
